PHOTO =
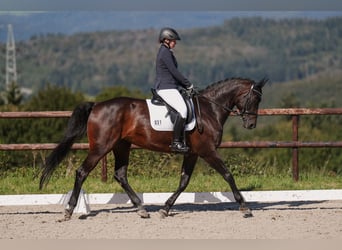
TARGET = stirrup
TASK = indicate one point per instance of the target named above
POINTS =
(179, 147)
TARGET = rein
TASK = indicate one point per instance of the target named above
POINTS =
(218, 104)
(199, 121)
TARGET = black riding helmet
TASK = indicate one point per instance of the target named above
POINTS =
(168, 33)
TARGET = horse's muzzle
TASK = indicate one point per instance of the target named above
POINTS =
(251, 126)
(249, 123)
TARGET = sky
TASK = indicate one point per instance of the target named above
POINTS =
(174, 5)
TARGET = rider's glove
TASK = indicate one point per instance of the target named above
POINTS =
(191, 87)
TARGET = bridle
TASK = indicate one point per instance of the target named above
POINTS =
(247, 102)
(236, 111)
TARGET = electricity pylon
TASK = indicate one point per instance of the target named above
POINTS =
(11, 66)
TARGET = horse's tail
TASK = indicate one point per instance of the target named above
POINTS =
(77, 127)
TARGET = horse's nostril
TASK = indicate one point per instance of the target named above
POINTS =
(252, 125)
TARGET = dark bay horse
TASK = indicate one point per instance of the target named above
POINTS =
(114, 125)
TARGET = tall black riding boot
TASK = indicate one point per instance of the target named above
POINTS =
(178, 144)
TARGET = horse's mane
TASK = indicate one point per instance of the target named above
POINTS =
(231, 80)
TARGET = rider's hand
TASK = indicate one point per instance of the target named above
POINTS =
(191, 87)
(190, 90)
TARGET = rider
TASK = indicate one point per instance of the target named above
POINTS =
(168, 80)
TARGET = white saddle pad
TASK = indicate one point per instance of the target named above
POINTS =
(160, 119)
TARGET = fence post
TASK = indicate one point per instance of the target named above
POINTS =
(295, 169)
(104, 175)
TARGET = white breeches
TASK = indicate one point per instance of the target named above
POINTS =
(174, 99)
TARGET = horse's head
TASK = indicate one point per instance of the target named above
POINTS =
(248, 103)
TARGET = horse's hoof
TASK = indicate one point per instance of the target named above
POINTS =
(247, 213)
(143, 214)
(163, 213)
(63, 220)
(66, 218)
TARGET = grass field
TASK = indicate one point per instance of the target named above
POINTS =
(26, 181)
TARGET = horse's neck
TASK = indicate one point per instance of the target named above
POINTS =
(223, 99)
(224, 95)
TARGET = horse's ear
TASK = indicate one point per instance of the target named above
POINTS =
(262, 82)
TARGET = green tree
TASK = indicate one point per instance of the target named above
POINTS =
(2, 98)
(49, 99)
(117, 91)
(54, 98)
(37, 130)
(14, 95)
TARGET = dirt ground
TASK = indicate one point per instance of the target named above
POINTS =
(279, 220)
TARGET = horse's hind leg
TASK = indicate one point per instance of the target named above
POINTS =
(81, 174)
(121, 153)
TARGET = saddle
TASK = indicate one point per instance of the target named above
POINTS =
(162, 115)
(157, 100)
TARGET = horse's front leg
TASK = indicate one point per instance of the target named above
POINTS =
(215, 161)
(188, 165)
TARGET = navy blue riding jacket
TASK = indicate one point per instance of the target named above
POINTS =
(167, 74)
